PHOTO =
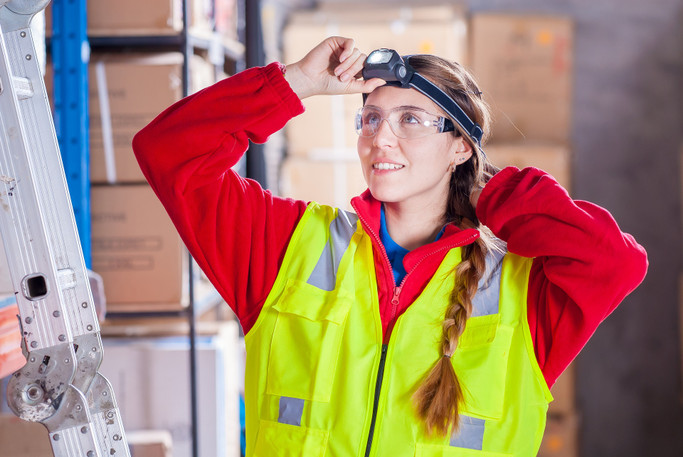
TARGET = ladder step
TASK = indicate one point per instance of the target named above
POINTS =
(66, 278)
(23, 86)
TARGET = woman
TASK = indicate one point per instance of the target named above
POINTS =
(434, 320)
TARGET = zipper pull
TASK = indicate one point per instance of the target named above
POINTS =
(397, 292)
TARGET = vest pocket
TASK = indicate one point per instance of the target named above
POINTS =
(435, 450)
(285, 440)
(481, 362)
(306, 342)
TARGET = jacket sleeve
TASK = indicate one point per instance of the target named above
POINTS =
(236, 231)
(583, 266)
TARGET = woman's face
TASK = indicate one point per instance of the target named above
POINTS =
(401, 170)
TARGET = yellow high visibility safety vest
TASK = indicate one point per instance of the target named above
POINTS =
(320, 382)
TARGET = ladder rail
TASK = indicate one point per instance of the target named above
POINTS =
(60, 385)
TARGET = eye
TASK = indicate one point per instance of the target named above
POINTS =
(414, 118)
(372, 117)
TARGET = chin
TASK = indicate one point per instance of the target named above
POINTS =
(385, 195)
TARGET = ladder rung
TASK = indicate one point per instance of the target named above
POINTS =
(23, 87)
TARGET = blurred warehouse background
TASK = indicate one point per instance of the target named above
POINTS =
(589, 91)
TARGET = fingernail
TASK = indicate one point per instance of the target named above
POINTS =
(344, 77)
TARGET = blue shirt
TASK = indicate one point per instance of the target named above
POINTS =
(395, 252)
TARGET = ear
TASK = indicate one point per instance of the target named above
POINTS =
(463, 151)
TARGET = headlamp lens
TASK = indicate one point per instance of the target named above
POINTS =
(379, 56)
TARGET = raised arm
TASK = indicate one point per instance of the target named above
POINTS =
(236, 231)
(584, 265)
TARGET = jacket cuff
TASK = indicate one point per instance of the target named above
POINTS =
(275, 78)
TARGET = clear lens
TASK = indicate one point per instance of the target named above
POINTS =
(405, 122)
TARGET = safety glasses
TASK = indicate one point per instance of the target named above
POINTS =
(407, 122)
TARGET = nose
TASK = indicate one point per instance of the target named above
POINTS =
(384, 135)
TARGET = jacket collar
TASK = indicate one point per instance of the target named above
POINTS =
(368, 209)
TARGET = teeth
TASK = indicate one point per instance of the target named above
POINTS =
(386, 166)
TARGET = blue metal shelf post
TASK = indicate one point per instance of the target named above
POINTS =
(70, 56)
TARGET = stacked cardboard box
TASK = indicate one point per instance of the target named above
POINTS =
(150, 443)
(137, 250)
(149, 376)
(562, 428)
(321, 143)
(137, 87)
(151, 17)
(20, 438)
(561, 437)
(11, 357)
(135, 247)
(523, 65)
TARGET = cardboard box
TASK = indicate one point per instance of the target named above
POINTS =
(136, 249)
(523, 65)
(151, 381)
(552, 158)
(225, 15)
(133, 18)
(139, 87)
(19, 438)
(150, 443)
(561, 437)
(564, 393)
(327, 182)
(326, 128)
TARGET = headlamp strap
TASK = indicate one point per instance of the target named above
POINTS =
(428, 88)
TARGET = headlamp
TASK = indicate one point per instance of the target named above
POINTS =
(388, 65)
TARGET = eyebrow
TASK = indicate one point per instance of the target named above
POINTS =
(413, 107)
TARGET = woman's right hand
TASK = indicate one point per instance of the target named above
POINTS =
(332, 67)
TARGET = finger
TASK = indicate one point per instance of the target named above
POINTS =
(348, 47)
(354, 71)
(342, 70)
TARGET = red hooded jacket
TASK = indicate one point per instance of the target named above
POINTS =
(583, 267)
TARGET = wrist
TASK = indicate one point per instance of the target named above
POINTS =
(296, 80)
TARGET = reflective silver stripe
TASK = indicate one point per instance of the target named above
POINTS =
(342, 228)
(471, 433)
(486, 299)
(291, 410)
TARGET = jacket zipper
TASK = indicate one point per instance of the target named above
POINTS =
(378, 388)
(394, 308)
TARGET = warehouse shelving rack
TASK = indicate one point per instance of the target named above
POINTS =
(70, 48)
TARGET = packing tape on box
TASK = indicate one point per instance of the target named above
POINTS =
(105, 119)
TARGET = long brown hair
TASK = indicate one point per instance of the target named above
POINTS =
(439, 397)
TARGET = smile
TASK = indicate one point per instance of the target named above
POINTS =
(387, 166)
